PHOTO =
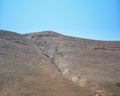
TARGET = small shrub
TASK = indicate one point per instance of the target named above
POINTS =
(118, 84)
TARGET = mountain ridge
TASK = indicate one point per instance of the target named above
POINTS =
(54, 32)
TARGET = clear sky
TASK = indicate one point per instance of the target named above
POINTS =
(93, 19)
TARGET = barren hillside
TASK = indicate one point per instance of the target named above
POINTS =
(25, 71)
(88, 63)
(51, 64)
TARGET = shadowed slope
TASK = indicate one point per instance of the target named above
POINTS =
(88, 63)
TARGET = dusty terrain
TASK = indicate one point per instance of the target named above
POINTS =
(50, 64)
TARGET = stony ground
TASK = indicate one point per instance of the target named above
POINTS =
(51, 64)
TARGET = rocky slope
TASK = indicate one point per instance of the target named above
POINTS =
(26, 71)
(88, 63)
(51, 64)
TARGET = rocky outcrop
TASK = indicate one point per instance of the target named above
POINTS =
(85, 62)
(26, 71)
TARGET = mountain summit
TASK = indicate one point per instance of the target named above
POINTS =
(51, 64)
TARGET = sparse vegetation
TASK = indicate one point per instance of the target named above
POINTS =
(118, 84)
(34, 69)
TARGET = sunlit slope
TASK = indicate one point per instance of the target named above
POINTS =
(88, 63)
(25, 71)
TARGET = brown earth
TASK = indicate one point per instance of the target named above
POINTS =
(50, 64)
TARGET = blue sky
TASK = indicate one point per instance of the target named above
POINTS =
(93, 19)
